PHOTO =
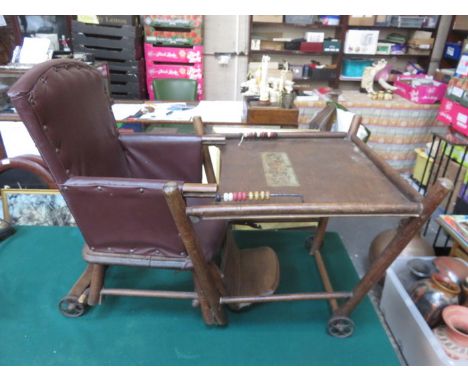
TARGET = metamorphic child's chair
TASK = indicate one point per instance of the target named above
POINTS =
(128, 193)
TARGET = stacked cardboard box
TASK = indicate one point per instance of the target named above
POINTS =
(117, 40)
(173, 49)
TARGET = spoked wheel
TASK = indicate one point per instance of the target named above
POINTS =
(340, 326)
(70, 306)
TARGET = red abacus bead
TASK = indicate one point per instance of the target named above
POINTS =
(235, 196)
(244, 196)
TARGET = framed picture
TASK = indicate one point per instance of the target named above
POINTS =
(35, 207)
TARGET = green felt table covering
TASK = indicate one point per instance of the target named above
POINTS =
(38, 265)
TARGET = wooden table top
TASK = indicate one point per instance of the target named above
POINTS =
(334, 176)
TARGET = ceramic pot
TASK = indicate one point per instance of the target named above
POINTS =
(454, 334)
(465, 292)
(454, 268)
(432, 295)
(416, 247)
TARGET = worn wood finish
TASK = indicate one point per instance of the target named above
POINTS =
(285, 297)
(256, 114)
(319, 236)
(82, 283)
(207, 163)
(97, 281)
(315, 251)
(249, 272)
(355, 124)
(207, 288)
(199, 188)
(148, 293)
(291, 211)
(388, 171)
(289, 134)
(327, 285)
(405, 233)
(334, 175)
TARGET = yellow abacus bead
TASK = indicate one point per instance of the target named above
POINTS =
(267, 195)
(262, 195)
(256, 195)
(251, 196)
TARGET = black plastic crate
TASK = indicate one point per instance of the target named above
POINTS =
(109, 43)
(129, 31)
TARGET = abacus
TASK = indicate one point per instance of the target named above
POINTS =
(259, 135)
(252, 195)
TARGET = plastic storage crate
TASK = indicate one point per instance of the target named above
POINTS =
(452, 50)
(300, 19)
(408, 21)
(418, 343)
(355, 67)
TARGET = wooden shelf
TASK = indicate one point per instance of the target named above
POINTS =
(391, 27)
(302, 26)
(386, 55)
(294, 52)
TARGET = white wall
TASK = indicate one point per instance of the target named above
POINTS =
(225, 34)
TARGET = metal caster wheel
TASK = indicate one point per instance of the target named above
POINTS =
(340, 326)
(70, 306)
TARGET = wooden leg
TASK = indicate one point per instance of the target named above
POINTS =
(206, 287)
(82, 283)
(319, 235)
(97, 281)
(405, 233)
(315, 251)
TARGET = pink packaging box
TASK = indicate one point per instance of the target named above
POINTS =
(424, 94)
(193, 72)
(149, 83)
(446, 111)
(454, 114)
(460, 119)
(166, 54)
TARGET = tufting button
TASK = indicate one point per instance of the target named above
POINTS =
(141, 190)
(57, 150)
(44, 128)
(99, 188)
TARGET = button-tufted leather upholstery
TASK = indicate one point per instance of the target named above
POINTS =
(112, 184)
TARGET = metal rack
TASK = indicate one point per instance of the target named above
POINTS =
(441, 153)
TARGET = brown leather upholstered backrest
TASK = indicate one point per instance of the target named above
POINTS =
(67, 112)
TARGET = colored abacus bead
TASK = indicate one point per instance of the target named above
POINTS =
(256, 195)
(218, 197)
(262, 195)
(267, 195)
(251, 195)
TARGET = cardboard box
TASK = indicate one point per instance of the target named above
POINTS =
(266, 45)
(422, 94)
(169, 54)
(171, 38)
(384, 47)
(361, 41)
(314, 36)
(461, 23)
(267, 18)
(313, 47)
(174, 21)
(109, 19)
(193, 72)
(462, 67)
(421, 43)
(361, 21)
(444, 75)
